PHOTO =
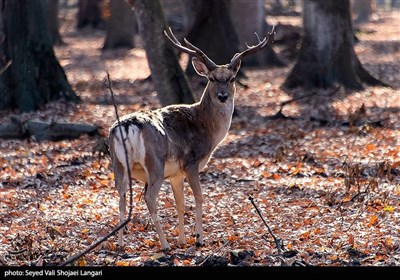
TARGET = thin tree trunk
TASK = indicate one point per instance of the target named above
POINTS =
(249, 17)
(169, 80)
(89, 14)
(121, 26)
(362, 9)
(211, 29)
(52, 13)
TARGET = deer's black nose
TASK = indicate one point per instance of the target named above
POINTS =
(222, 96)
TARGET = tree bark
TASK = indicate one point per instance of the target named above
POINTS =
(249, 17)
(52, 15)
(169, 80)
(362, 9)
(89, 14)
(34, 76)
(327, 55)
(211, 29)
(175, 16)
(121, 26)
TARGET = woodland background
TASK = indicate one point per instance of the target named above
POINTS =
(322, 164)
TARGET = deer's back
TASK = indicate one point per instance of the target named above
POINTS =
(175, 135)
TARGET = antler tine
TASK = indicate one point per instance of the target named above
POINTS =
(174, 39)
(201, 55)
(253, 49)
(176, 43)
(191, 49)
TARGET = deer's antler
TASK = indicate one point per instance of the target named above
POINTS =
(190, 49)
(253, 49)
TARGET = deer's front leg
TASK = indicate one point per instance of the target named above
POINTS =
(193, 180)
(177, 188)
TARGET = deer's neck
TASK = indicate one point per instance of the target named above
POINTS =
(215, 116)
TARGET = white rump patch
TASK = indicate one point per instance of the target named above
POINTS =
(134, 144)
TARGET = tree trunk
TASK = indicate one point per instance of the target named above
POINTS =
(327, 55)
(210, 28)
(52, 15)
(362, 9)
(169, 80)
(249, 17)
(174, 13)
(276, 7)
(34, 77)
(89, 14)
(121, 26)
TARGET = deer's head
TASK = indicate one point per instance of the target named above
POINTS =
(221, 78)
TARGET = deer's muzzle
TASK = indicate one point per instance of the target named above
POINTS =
(222, 96)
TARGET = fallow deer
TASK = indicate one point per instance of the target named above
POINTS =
(177, 141)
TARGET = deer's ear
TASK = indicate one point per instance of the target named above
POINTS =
(200, 67)
(236, 66)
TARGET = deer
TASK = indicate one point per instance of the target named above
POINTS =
(176, 142)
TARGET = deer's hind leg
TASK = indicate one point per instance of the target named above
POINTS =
(121, 183)
(155, 173)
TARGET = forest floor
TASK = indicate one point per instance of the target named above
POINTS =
(326, 180)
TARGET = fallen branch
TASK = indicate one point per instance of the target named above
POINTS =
(128, 219)
(278, 241)
(40, 130)
(213, 253)
(5, 67)
(280, 115)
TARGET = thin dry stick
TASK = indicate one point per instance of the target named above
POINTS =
(276, 240)
(127, 220)
(125, 150)
(279, 114)
(5, 67)
(216, 251)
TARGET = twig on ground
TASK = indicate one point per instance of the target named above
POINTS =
(5, 67)
(127, 220)
(280, 115)
(278, 241)
(213, 253)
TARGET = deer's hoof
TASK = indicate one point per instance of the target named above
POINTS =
(199, 240)
(182, 241)
(166, 249)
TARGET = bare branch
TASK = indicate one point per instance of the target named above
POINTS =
(5, 67)
(216, 251)
(278, 241)
(127, 220)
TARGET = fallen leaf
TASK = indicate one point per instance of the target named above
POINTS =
(373, 220)
(276, 176)
(304, 235)
(351, 240)
(388, 208)
(370, 147)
